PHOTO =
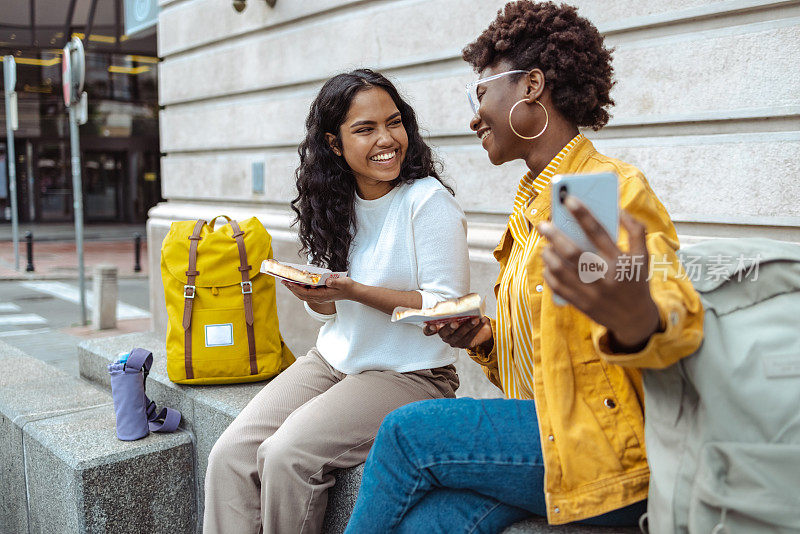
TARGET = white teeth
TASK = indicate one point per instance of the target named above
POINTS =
(383, 157)
(485, 134)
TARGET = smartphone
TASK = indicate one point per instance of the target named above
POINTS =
(599, 192)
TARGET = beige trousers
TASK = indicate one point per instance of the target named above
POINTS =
(271, 469)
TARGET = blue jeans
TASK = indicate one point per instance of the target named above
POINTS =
(458, 465)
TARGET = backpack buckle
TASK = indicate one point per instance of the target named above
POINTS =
(188, 292)
(247, 287)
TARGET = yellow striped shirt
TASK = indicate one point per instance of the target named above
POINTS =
(516, 339)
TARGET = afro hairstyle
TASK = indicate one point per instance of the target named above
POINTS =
(567, 48)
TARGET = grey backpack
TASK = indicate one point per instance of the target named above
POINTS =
(722, 426)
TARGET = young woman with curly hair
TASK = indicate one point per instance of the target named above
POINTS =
(369, 202)
(567, 442)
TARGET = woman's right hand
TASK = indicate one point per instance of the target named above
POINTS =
(467, 335)
(319, 299)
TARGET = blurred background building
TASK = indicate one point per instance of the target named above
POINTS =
(119, 144)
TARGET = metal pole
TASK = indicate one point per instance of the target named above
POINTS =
(77, 196)
(12, 192)
(12, 174)
(137, 252)
(29, 240)
(31, 192)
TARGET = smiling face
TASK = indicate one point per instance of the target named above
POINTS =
(490, 123)
(373, 142)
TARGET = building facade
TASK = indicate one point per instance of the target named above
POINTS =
(119, 143)
(707, 106)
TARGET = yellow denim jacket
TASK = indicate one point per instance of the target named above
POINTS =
(589, 400)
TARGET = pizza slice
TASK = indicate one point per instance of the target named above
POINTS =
(457, 309)
(291, 273)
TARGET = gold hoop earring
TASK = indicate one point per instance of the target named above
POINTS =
(546, 120)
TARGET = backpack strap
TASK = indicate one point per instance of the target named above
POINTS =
(168, 419)
(247, 295)
(189, 292)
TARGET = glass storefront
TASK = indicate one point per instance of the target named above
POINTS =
(119, 143)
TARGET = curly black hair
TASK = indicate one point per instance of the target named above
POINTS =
(566, 47)
(326, 187)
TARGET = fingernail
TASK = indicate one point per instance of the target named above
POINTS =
(571, 203)
(453, 325)
(474, 321)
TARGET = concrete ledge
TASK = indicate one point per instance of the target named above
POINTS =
(538, 525)
(81, 478)
(342, 500)
(208, 410)
(30, 390)
(64, 470)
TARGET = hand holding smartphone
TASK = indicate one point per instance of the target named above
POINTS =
(599, 192)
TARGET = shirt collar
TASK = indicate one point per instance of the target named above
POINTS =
(530, 187)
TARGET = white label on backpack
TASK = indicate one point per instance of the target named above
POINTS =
(219, 335)
(780, 366)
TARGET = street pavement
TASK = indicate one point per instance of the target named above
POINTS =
(55, 254)
(42, 317)
(66, 231)
(40, 311)
(59, 259)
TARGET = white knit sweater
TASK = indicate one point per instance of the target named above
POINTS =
(412, 238)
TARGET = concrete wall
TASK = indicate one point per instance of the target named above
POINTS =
(707, 106)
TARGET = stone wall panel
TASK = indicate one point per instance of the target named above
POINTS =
(694, 177)
(703, 78)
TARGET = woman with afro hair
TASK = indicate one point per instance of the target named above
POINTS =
(567, 441)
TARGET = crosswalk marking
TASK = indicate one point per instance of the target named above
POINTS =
(72, 294)
(22, 318)
(11, 333)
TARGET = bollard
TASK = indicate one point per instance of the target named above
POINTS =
(104, 309)
(29, 244)
(137, 252)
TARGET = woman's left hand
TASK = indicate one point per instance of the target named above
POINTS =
(342, 288)
(620, 299)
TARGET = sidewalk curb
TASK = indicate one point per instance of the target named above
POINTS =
(60, 239)
(57, 277)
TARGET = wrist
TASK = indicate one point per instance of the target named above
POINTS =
(356, 292)
(626, 340)
(484, 347)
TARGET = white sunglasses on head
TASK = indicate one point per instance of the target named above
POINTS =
(473, 99)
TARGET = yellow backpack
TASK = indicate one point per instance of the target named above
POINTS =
(223, 323)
